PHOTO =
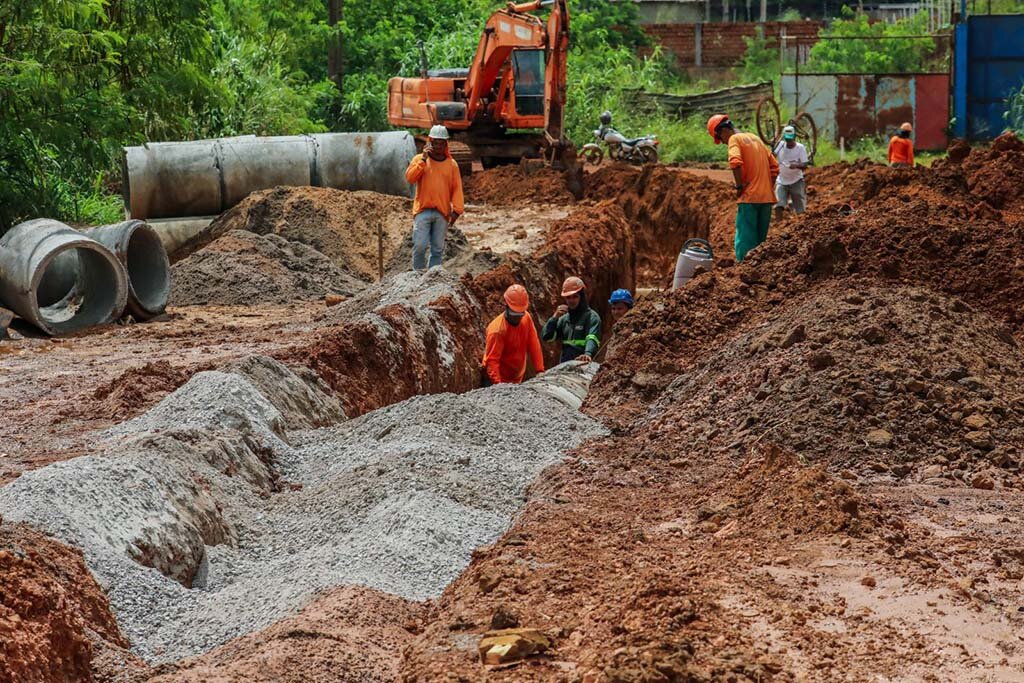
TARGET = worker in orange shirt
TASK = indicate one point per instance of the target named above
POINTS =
(510, 338)
(901, 147)
(439, 201)
(754, 169)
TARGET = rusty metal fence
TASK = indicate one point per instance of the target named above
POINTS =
(856, 105)
(740, 101)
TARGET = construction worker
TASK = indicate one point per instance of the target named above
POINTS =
(790, 187)
(575, 324)
(438, 202)
(901, 147)
(754, 169)
(510, 338)
(620, 302)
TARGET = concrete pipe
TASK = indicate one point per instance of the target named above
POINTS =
(206, 177)
(139, 248)
(45, 250)
(365, 161)
(169, 179)
(262, 163)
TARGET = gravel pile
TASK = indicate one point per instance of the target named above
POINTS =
(215, 515)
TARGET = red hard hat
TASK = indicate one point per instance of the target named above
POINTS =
(517, 299)
(572, 285)
(713, 123)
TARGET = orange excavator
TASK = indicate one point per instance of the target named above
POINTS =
(517, 81)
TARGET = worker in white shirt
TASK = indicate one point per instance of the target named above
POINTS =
(790, 186)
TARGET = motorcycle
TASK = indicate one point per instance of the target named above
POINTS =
(641, 150)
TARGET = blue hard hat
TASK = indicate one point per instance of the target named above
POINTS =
(621, 296)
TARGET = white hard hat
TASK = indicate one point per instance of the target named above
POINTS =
(789, 132)
(438, 132)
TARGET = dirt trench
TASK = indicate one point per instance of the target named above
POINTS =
(714, 536)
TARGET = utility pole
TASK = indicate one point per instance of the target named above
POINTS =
(335, 55)
(764, 11)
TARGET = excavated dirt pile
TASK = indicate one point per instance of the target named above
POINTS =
(340, 224)
(510, 185)
(725, 532)
(886, 379)
(54, 618)
(241, 268)
(666, 206)
(301, 243)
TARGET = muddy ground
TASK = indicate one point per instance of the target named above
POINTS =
(813, 472)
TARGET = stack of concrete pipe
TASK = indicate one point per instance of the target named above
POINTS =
(61, 280)
(180, 186)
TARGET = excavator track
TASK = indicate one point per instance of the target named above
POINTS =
(463, 155)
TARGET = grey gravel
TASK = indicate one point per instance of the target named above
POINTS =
(212, 515)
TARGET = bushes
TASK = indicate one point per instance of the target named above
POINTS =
(895, 55)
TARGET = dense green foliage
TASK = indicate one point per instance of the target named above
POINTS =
(889, 54)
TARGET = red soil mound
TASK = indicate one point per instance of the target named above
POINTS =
(506, 185)
(666, 206)
(350, 635)
(53, 616)
(136, 389)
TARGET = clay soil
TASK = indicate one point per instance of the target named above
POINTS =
(815, 456)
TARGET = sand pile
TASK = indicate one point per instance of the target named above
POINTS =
(244, 268)
(340, 224)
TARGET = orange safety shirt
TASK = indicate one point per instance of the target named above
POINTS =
(901, 150)
(758, 168)
(506, 349)
(438, 185)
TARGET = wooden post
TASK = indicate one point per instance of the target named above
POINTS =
(380, 250)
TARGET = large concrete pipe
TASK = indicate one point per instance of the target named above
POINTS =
(365, 161)
(206, 177)
(262, 163)
(166, 179)
(45, 250)
(139, 248)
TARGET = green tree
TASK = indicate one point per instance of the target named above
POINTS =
(888, 54)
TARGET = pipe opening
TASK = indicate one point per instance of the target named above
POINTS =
(93, 291)
(149, 276)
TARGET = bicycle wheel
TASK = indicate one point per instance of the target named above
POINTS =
(768, 121)
(807, 133)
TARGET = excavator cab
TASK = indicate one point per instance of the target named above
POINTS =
(515, 85)
(528, 82)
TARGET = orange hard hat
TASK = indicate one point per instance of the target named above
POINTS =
(572, 285)
(713, 123)
(907, 127)
(517, 299)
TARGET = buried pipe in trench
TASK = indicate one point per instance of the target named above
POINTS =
(58, 279)
(139, 248)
